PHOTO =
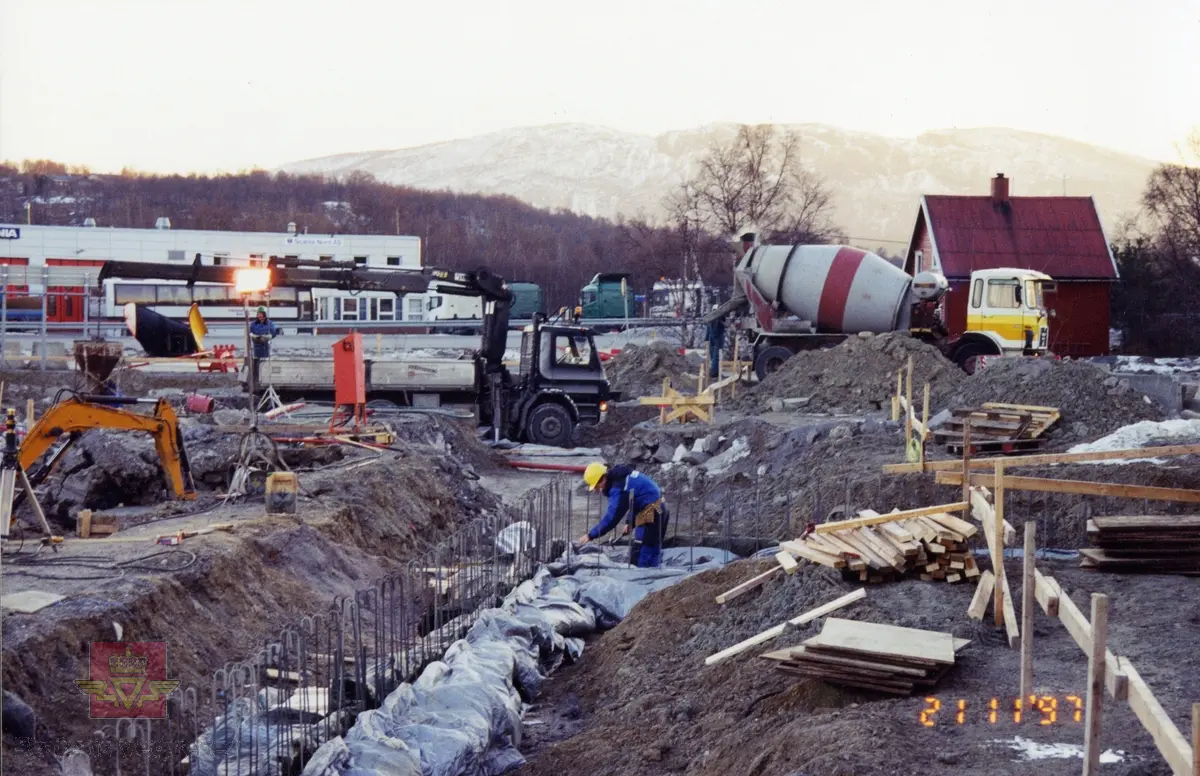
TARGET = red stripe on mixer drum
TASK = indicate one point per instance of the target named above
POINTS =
(836, 291)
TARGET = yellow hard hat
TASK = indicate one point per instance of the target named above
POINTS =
(593, 473)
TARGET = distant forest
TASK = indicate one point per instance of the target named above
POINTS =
(559, 250)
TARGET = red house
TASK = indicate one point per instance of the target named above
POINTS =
(1061, 236)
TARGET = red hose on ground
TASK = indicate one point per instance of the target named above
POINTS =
(548, 467)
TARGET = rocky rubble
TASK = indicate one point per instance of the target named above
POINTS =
(857, 376)
(639, 370)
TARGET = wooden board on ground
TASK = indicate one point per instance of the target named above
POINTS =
(29, 601)
(885, 641)
(884, 658)
(1143, 544)
(983, 595)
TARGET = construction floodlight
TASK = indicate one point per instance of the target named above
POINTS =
(251, 280)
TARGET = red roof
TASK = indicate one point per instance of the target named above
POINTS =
(1061, 236)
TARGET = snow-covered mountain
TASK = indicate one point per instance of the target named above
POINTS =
(876, 180)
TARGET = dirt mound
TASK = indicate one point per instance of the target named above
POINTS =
(857, 376)
(1092, 402)
(649, 705)
(616, 427)
(639, 370)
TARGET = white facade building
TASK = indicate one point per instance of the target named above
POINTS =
(62, 261)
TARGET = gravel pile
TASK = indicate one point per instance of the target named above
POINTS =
(857, 376)
(638, 370)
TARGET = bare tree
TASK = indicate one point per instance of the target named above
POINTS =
(1159, 258)
(758, 179)
(1172, 202)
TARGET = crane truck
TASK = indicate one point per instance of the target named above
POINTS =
(559, 385)
(789, 298)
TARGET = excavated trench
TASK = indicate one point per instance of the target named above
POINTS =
(221, 597)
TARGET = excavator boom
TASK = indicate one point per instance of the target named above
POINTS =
(83, 413)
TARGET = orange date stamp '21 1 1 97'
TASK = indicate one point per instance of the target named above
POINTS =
(1035, 710)
(128, 679)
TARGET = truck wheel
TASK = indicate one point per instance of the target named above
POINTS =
(549, 424)
(769, 360)
(967, 356)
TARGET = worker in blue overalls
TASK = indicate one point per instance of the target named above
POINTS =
(634, 493)
(262, 331)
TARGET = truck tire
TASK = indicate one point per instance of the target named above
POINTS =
(966, 356)
(549, 424)
(770, 359)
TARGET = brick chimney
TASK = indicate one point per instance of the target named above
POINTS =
(999, 190)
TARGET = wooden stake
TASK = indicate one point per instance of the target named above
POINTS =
(924, 425)
(998, 550)
(966, 463)
(896, 397)
(29, 419)
(1095, 691)
(908, 408)
(1196, 739)
(379, 345)
(1027, 604)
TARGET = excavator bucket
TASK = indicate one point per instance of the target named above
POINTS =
(198, 326)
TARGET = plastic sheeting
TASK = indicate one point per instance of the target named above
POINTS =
(462, 716)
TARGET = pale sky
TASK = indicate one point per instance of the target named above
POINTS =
(207, 85)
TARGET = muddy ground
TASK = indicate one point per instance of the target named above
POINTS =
(643, 702)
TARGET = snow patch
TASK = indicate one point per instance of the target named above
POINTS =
(1032, 750)
(1139, 435)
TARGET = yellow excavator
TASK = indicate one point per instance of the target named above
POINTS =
(84, 412)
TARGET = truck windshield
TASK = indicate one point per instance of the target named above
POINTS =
(589, 296)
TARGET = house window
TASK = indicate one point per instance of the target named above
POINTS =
(326, 258)
(393, 261)
(977, 294)
(1004, 294)
(175, 256)
(416, 309)
(387, 309)
(292, 256)
(360, 261)
(1049, 288)
(349, 308)
(919, 263)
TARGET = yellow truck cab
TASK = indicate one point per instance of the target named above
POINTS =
(1006, 308)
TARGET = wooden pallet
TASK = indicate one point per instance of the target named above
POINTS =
(997, 446)
(998, 428)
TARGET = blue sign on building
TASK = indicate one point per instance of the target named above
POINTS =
(10, 233)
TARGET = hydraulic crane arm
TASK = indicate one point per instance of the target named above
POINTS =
(346, 276)
(79, 414)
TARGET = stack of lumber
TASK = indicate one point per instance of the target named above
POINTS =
(998, 428)
(1157, 544)
(928, 542)
(885, 658)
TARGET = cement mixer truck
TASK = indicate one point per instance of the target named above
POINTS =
(790, 298)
